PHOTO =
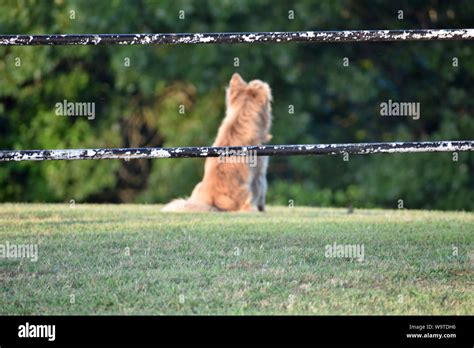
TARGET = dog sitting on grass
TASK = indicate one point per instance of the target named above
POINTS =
(232, 185)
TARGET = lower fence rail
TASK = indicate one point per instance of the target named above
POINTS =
(261, 150)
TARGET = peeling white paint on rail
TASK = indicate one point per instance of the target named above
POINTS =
(160, 153)
(260, 150)
(242, 37)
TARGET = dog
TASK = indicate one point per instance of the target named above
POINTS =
(235, 186)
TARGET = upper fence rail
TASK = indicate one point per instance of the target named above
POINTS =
(245, 37)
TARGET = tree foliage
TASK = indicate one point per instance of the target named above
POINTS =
(138, 104)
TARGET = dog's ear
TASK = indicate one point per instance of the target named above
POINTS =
(237, 81)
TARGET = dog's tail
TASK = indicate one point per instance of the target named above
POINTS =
(187, 205)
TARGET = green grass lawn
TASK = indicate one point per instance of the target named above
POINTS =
(132, 259)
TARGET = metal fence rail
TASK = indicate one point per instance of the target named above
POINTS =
(264, 150)
(246, 37)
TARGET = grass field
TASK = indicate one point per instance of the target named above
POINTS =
(132, 259)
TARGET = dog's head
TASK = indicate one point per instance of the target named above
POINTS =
(255, 95)
(255, 90)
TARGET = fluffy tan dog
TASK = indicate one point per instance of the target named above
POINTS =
(228, 183)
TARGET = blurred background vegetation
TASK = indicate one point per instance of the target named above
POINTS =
(138, 105)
